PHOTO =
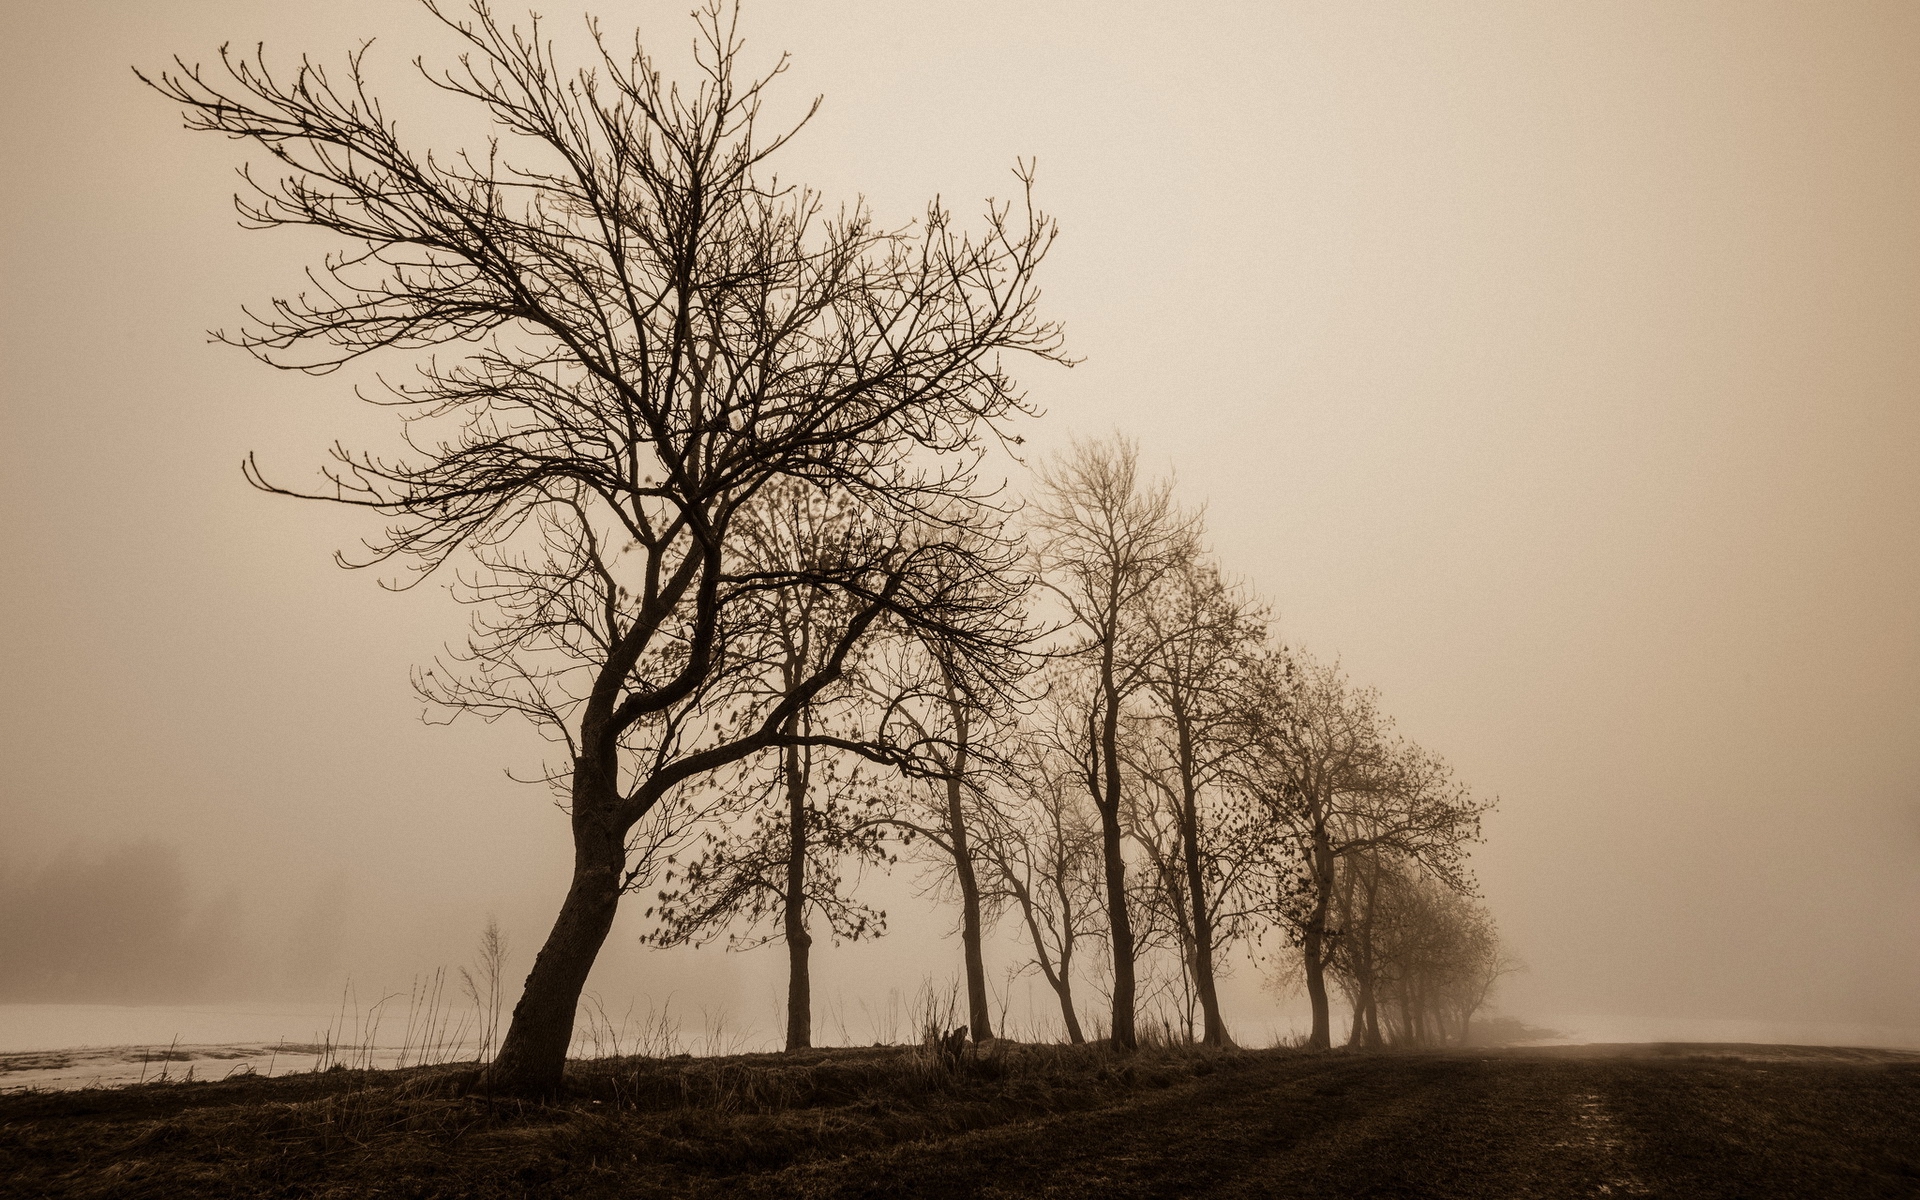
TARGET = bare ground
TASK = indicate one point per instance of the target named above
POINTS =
(1681, 1121)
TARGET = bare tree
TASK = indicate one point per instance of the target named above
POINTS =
(1354, 958)
(1481, 961)
(650, 331)
(806, 821)
(1204, 640)
(792, 859)
(1104, 540)
(951, 810)
(1045, 851)
(1435, 956)
(1330, 769)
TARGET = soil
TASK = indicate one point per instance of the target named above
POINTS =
(1680, 1121)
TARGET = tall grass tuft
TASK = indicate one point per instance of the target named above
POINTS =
(655, 1035)
(484, 985)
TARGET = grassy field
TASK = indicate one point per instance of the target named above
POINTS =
(1681, 1121)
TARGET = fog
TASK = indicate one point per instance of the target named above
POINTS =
(1553, 367)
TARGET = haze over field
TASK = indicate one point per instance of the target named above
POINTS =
(1554, 368)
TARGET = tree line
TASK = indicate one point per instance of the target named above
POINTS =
(1165, 781)
(710, 463)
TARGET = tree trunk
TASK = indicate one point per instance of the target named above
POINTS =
(1369, 989)
(1214, 1029)
(1063, 988)
(799, 941)
(1322, 1036)
(1062, 981)
(1363, 997)
(533, 1057)
(1121, 927)
(979, 1015)
(1360, 955)
(1314, 944)
(799, 990)
(1119, 921)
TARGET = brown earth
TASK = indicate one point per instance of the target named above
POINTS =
(1680, 1121)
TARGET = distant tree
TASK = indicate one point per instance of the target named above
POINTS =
(1479, 962)
(1354, 958)
(117, 923)
(649, 331)
(1104, 540)
(1434, 953)
(1330, 771)
(1187, 746)
(948, 812)
(1045, 849)
(780, 847)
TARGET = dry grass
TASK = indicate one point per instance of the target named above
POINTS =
(343, 1128)
(1006, 1119)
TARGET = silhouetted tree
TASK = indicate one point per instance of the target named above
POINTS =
(791, 858)
(793, 824)
(1045, 849)
(650, 332)
(1355, 958)
(1203, 641)
(1432, 953)
(1104, 539)
(1329, 769)
(947, 813)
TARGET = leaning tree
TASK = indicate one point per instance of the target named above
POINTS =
(639, 331)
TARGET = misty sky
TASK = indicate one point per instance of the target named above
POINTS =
(1557, 367)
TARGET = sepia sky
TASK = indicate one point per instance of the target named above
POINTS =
(1556, 367)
